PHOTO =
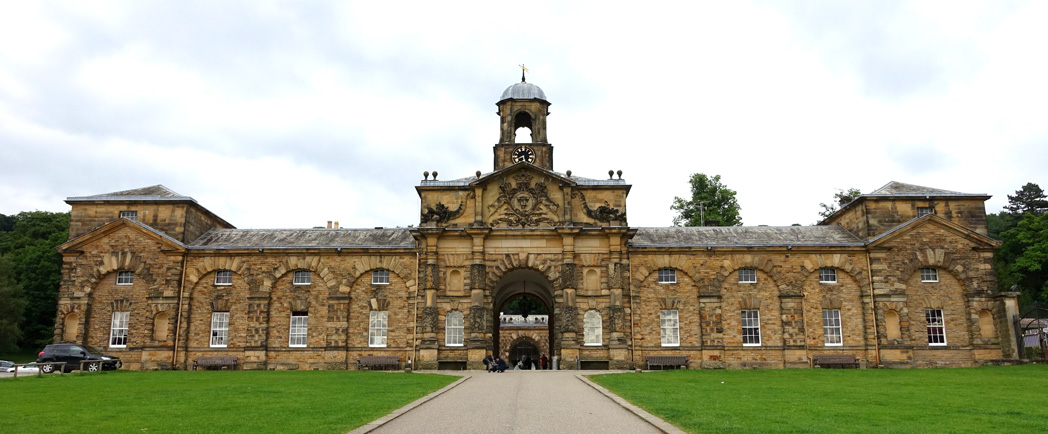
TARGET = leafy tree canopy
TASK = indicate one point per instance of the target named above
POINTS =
(29, 244)
(710, 200)
(1022, 260)
(12, 306)
(840, 199)
(1029, 199)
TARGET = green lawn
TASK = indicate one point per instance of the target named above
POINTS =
(964, 400)
(207, 401)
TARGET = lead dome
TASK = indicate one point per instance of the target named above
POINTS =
(523, 90)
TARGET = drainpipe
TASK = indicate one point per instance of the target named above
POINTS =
(633, 335)
(178, 309)
(873, 309)
(414, 331)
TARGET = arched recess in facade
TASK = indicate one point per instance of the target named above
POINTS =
(521, 282)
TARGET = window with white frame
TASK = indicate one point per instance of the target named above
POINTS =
(130, 215)
(118, 330)
(936, 327)
(667, 275)
(831, 327)
(827, 275)
(751, 328)
(925, 210)
(299, 329)
(669, 322)
(929, 275)
(219, 329)
(453, 329)
(302, 277)
(377, 327)
(380, 277)
(747, 275)
(125, 277)
(223, 277)
(592, 328)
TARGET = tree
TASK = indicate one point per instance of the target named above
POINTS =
(711, 204)
(30, 247)
(1029, 199)
(840, 199)
(12, 306)
(1022, 260)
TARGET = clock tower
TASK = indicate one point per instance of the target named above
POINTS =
(523, 105)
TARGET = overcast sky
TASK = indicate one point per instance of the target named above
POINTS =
(289, 114)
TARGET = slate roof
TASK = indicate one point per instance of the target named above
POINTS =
(304, 238)
(523, 90)
(155, 192)
(745, 236)
(902, 189)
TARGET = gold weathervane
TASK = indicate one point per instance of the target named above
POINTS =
(523, 69)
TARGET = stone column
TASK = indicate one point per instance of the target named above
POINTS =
(255, 350)
(429, 279)
(794, 345)
(1009, 335)
(478, 331)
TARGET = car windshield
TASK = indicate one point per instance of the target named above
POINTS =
(92, 350)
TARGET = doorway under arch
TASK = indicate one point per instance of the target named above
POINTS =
(534, 287)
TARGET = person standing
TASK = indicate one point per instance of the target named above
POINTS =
(543, 361)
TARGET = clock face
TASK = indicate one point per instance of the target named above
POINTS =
(523, 153)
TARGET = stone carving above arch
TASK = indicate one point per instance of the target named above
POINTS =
(643, 269)
(378, 304)
(220, 304)
(155, 308)
(931, 302)
(299, 304)
(845, 263)
(66, 309)
(120, 305)
(750, 301)
(832, 302)
(731, 264)
(940, 259)
(118, 261)
(537, 262)
(216, 263)
(991, 306)
(668, 303)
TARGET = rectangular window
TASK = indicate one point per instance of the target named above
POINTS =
(118, 330)
(130, 215)
(592, 332)
(125, 277)
(219, 329)
(831, 327)
(747, 275)
(751, 328)
(302, 277)
(377, 326)
(936, 327)
(667, 275)
(929, 275)
(299, 327)
(827, 275)
(925, 210)
(453, 329)
(669, 322)
(380, 277)
(223, 277)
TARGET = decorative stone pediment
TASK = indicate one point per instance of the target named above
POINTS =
(523, 200)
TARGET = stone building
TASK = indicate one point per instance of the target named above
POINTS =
(900, 277)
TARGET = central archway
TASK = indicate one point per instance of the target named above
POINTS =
(529, 284)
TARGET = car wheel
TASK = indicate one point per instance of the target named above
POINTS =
(92, 367)
(47, 369)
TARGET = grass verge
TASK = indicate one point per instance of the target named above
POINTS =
(208, 401)
(964, 400)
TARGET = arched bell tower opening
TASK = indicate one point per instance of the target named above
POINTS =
(522, 110)
(523, 316)
(522, 132)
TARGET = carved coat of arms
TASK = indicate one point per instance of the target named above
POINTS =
(522, 204)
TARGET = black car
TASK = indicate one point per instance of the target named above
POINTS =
(73, 355)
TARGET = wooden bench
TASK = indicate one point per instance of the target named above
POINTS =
(834, 361)
(663, 361)
(215, 361)
(383, 362)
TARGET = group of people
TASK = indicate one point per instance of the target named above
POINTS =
(497, 364)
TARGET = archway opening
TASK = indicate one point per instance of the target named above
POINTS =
(523, 312)
(522, 121)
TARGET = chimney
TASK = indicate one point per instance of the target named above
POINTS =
(329, 224)
(336, 224)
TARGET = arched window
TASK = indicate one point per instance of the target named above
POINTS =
(592, 328)
(453, 329)
(891, 325)
(986, 329)
(160, 324)
(69, 329)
